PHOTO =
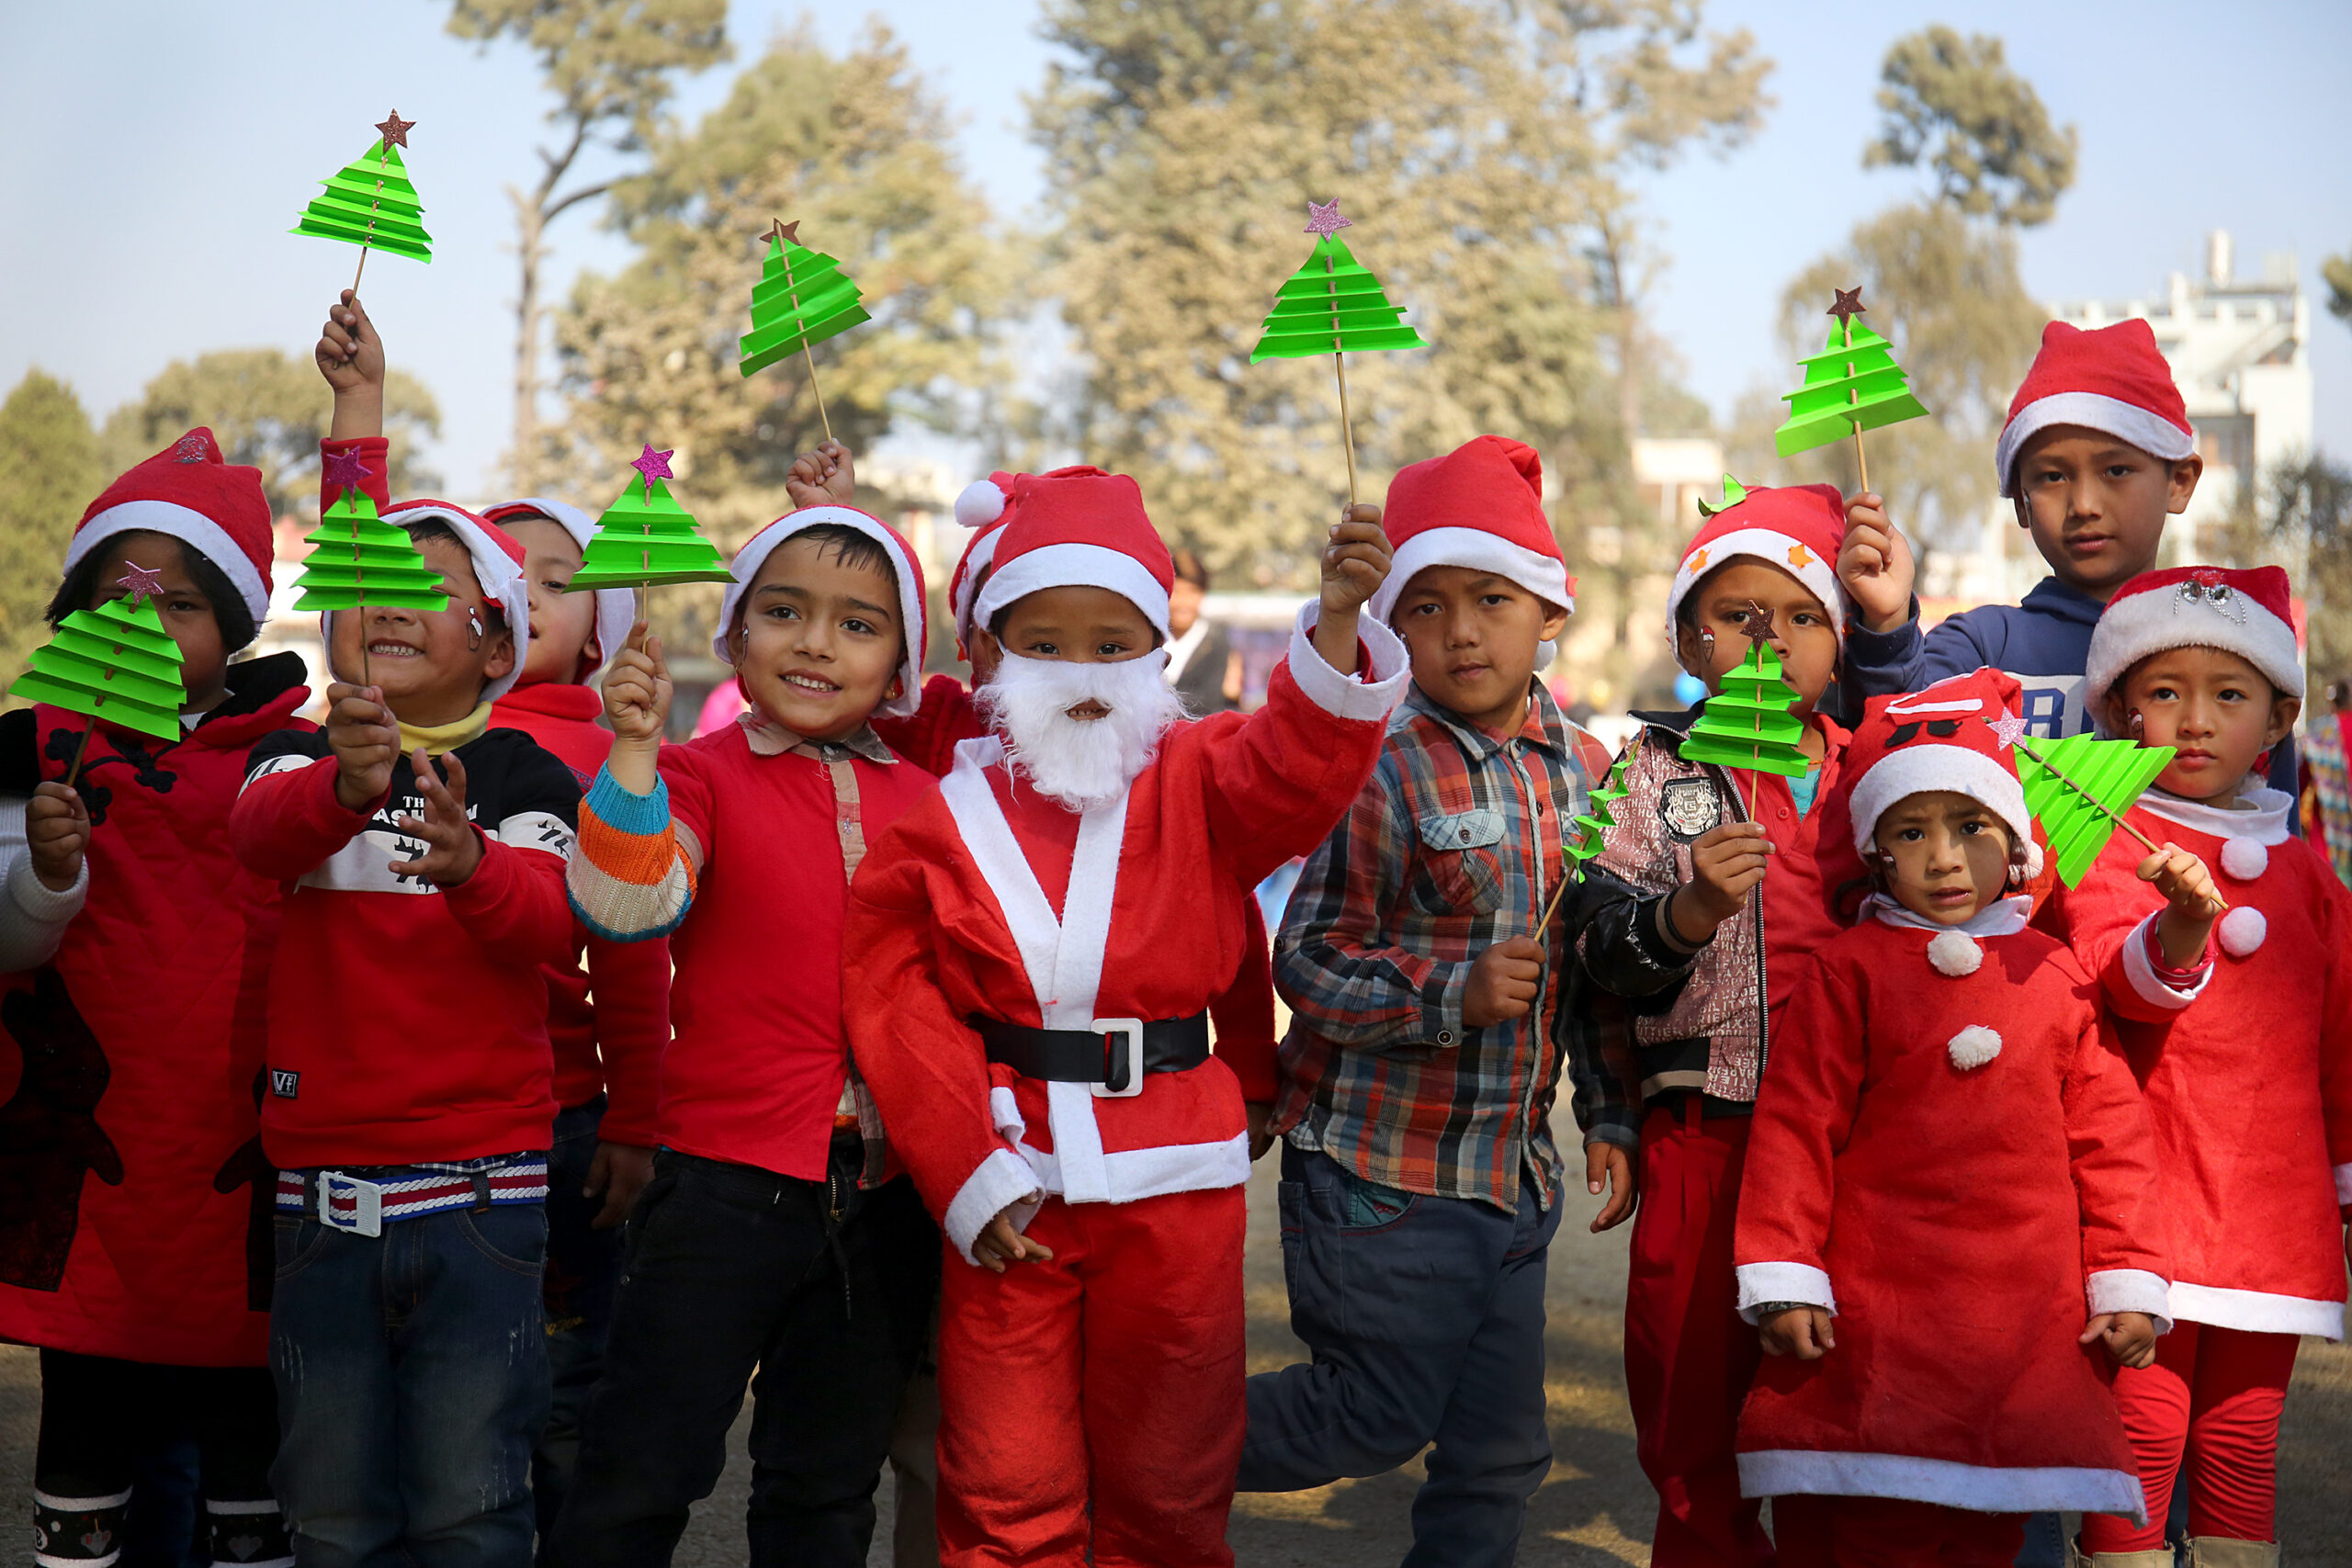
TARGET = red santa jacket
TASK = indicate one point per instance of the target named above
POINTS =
(1242, 1017)
(136, 1216)
(610, 1043)
(2249, 1085)
(984, 902)
(1949, 1153)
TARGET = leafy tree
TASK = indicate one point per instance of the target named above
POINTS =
(50, 473)
(1954, 104)
(612, 64)
(2336, 273)
(268, 410)
(2311, 508)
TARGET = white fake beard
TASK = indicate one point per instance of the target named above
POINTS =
(1080, 763)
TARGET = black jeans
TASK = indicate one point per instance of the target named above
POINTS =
(584, 1268)
(729, 1269)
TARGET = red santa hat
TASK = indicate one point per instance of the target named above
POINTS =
(1480, 506)
(615, 607)
(497, 559)
(1798, 528)
(2244, 613)
(2111, 380)
(1079, 527)
(190, 494)
(983, 508)
(1949, 736)
(906, 572)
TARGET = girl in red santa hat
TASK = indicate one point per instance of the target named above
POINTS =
(1028, 962)
(1946, 1196)
(135, 1233)
(2244, 1056)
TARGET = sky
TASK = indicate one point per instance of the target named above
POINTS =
(157, 155)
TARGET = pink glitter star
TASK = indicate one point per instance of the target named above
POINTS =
(344, 469)
(653, 465)
(139, 583)
(2009, 729)
(1323, 218)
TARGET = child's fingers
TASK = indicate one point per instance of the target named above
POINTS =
(455, 790)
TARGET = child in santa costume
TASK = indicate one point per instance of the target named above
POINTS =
(135, 1230)
(2095, 453)
(1421, 1186)
(1679, 914)
(772, 1238)
(1031, 955)
(2245, 1058)
(1947, 1200)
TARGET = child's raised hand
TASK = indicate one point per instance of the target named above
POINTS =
(452, 848)
(1875, 564)
(366, 740)
(1503, 982)
(57, 834)
(1355, 561)
(1001, 1243)
(825, 477)
(1607, 1166)
(2130, 1336)
(1725, 863)
(1803, 1331)
(350, 355)
(2192, 902)
(636, 690)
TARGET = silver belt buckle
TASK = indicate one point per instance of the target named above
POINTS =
(367, 1204)
(1125, 1042)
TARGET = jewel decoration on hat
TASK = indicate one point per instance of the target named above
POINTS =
(1852, 385)
(802, 298)
(115, 663)
(369, 203)
(1333, 305)
(646, 538)
(2078, 787)
(1749, 723)
(356, 559)
(1733, 493)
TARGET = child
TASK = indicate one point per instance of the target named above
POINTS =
(1678, 912)
(1950, 1161)
(1419, 1070)
(607, 1056)
(2246, 1065)
(2096, 451)
(134, 1243)
(769, 1239)
(1029, 957)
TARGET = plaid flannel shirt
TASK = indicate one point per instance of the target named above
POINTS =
(1453, 845)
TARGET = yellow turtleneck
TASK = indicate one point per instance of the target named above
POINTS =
(438, 738)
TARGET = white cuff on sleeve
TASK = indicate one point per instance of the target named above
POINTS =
(2143, 974)
(1802, 1282)
(2130, 1290)
(1000, 1180)
(37, 915)
(1349, 696)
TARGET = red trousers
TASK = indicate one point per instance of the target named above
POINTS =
(2214, 1398)
(1892, 1532)
(1689, 1359)
(1109, 1378)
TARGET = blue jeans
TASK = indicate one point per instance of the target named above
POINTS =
(412, 1373)
(1425, 1317)
(583, 1269)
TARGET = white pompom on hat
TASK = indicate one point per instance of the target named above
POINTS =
(983, 507)
(615, 607)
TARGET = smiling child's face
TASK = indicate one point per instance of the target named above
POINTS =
(431, 665)
(817, 646)
(2216, 711)
(1946, 855)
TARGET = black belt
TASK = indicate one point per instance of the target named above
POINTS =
(1106, 1057)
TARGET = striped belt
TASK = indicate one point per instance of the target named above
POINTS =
(363, 1206)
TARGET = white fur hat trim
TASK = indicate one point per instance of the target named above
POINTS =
(2243, 930)
(1955, 953)
(1973, 1046)
(2244, 858)
(2034, 858)
(980, 504)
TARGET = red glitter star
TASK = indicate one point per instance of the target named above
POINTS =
(344, 469)
(1323, 218)
(653, 465)
(138, 582)
(1849, 305)
(394, 130)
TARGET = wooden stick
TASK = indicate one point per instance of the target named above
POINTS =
(75, 772)
(1347, 427)
(1569, 873)
(1861, 458)
(792, 292)
(363, 265)
(2105, 810)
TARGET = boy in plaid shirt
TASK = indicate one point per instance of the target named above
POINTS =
(1422, 1059)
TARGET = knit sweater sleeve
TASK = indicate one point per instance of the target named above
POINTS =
(1805, 1113)
(33, 915)
(633, 876)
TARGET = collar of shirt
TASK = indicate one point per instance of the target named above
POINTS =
(2002, 917)
(1543, 725)
(770, 738)
(2052, 597)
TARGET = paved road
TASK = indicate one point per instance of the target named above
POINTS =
(1594, 1511)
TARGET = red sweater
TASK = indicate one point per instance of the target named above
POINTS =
(613, 1044)
(408, 1022)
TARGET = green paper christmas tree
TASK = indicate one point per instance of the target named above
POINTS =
(1733, 493)
(1595, 816)
(2079, 788)
(1852, 385)
(1332, 305)
(370, 202)
(1747, 724)
(646, 538)
(115, 664)
(358, 559)
(802, 297)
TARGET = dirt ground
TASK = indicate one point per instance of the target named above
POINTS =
(1595, 1510)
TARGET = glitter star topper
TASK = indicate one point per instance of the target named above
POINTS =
(1850, 304)
(1323, 218)
(138, 583)
(394, 130)
(2009, 729)
(784, 234)
(654, 466)
(344, 469)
